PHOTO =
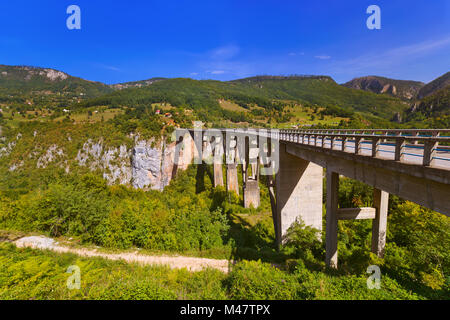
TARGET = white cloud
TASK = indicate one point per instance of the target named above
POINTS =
(322, 57)
(292, 54)
(112, 68)
(216, 72)
(391, 57)
(224, 60)
(194, 73)
(225, 52)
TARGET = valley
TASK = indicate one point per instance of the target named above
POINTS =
(93, 163)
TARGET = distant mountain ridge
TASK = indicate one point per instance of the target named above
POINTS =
(46, 81)
(404, 89)
(434, 86)
(433, 103)
(373, 95)
(266, 92)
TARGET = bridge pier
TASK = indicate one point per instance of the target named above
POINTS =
(217, 161)
(232, 178)
(251, 182)
(298, 193)
(379, 224)
(378, 213)
(251, 194)
(332, 219)
(218, 175)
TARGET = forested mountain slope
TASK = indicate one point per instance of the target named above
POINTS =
(434, 86)
(267, 92)
(405, 89)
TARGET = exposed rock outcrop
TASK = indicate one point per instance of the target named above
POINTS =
(53, 153)
(147, 164)
(154, 164)
(404, 89)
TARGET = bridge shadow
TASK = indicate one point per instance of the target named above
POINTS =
(252, 242)
(200, 178)
(202, 172)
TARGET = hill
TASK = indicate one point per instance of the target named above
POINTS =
(404, 89)
(43, 87)
(433, 110)
(269, 93)
(45, 81)
(434, 86)
(433, 104)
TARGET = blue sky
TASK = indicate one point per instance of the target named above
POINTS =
(216, 39)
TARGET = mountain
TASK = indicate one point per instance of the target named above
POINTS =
(434, 86)
(404, 89)
(433, 105)
(266, 92)
(261, 98)
(34, 81)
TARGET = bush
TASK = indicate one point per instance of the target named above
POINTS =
(255, 280)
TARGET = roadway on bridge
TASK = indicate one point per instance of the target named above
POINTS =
(412, 154)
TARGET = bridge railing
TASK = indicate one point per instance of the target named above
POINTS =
(433, 145)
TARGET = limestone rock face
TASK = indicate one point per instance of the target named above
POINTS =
(51, 155)
(154, 164)
(113, 162)
(404, 89)
(146, 165)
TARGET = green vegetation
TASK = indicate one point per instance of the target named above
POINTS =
(268, 93)
(65, 199)
(434, 108)
(31, 274)
(192, 218)
(30, 88)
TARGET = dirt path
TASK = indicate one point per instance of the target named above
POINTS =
(174, 262)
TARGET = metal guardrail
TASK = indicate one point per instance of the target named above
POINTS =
(432, 145)
(427, 139)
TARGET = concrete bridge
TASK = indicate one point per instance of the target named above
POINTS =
(412, 164)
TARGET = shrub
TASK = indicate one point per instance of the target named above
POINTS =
(257, 280)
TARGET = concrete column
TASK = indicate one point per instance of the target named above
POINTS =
(251, 194)
(298, 193)
(218, 159)
(218, 175)
(232, 178)
(379, 224)
(331, 254)
(254, 167)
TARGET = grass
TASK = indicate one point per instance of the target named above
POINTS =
(31, 274)
(302, 115)
(231, 106)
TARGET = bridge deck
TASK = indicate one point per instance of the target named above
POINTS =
(413, 154)
(399, 145)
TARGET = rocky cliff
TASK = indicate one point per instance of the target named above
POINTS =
(404, 89)
(146, 164)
